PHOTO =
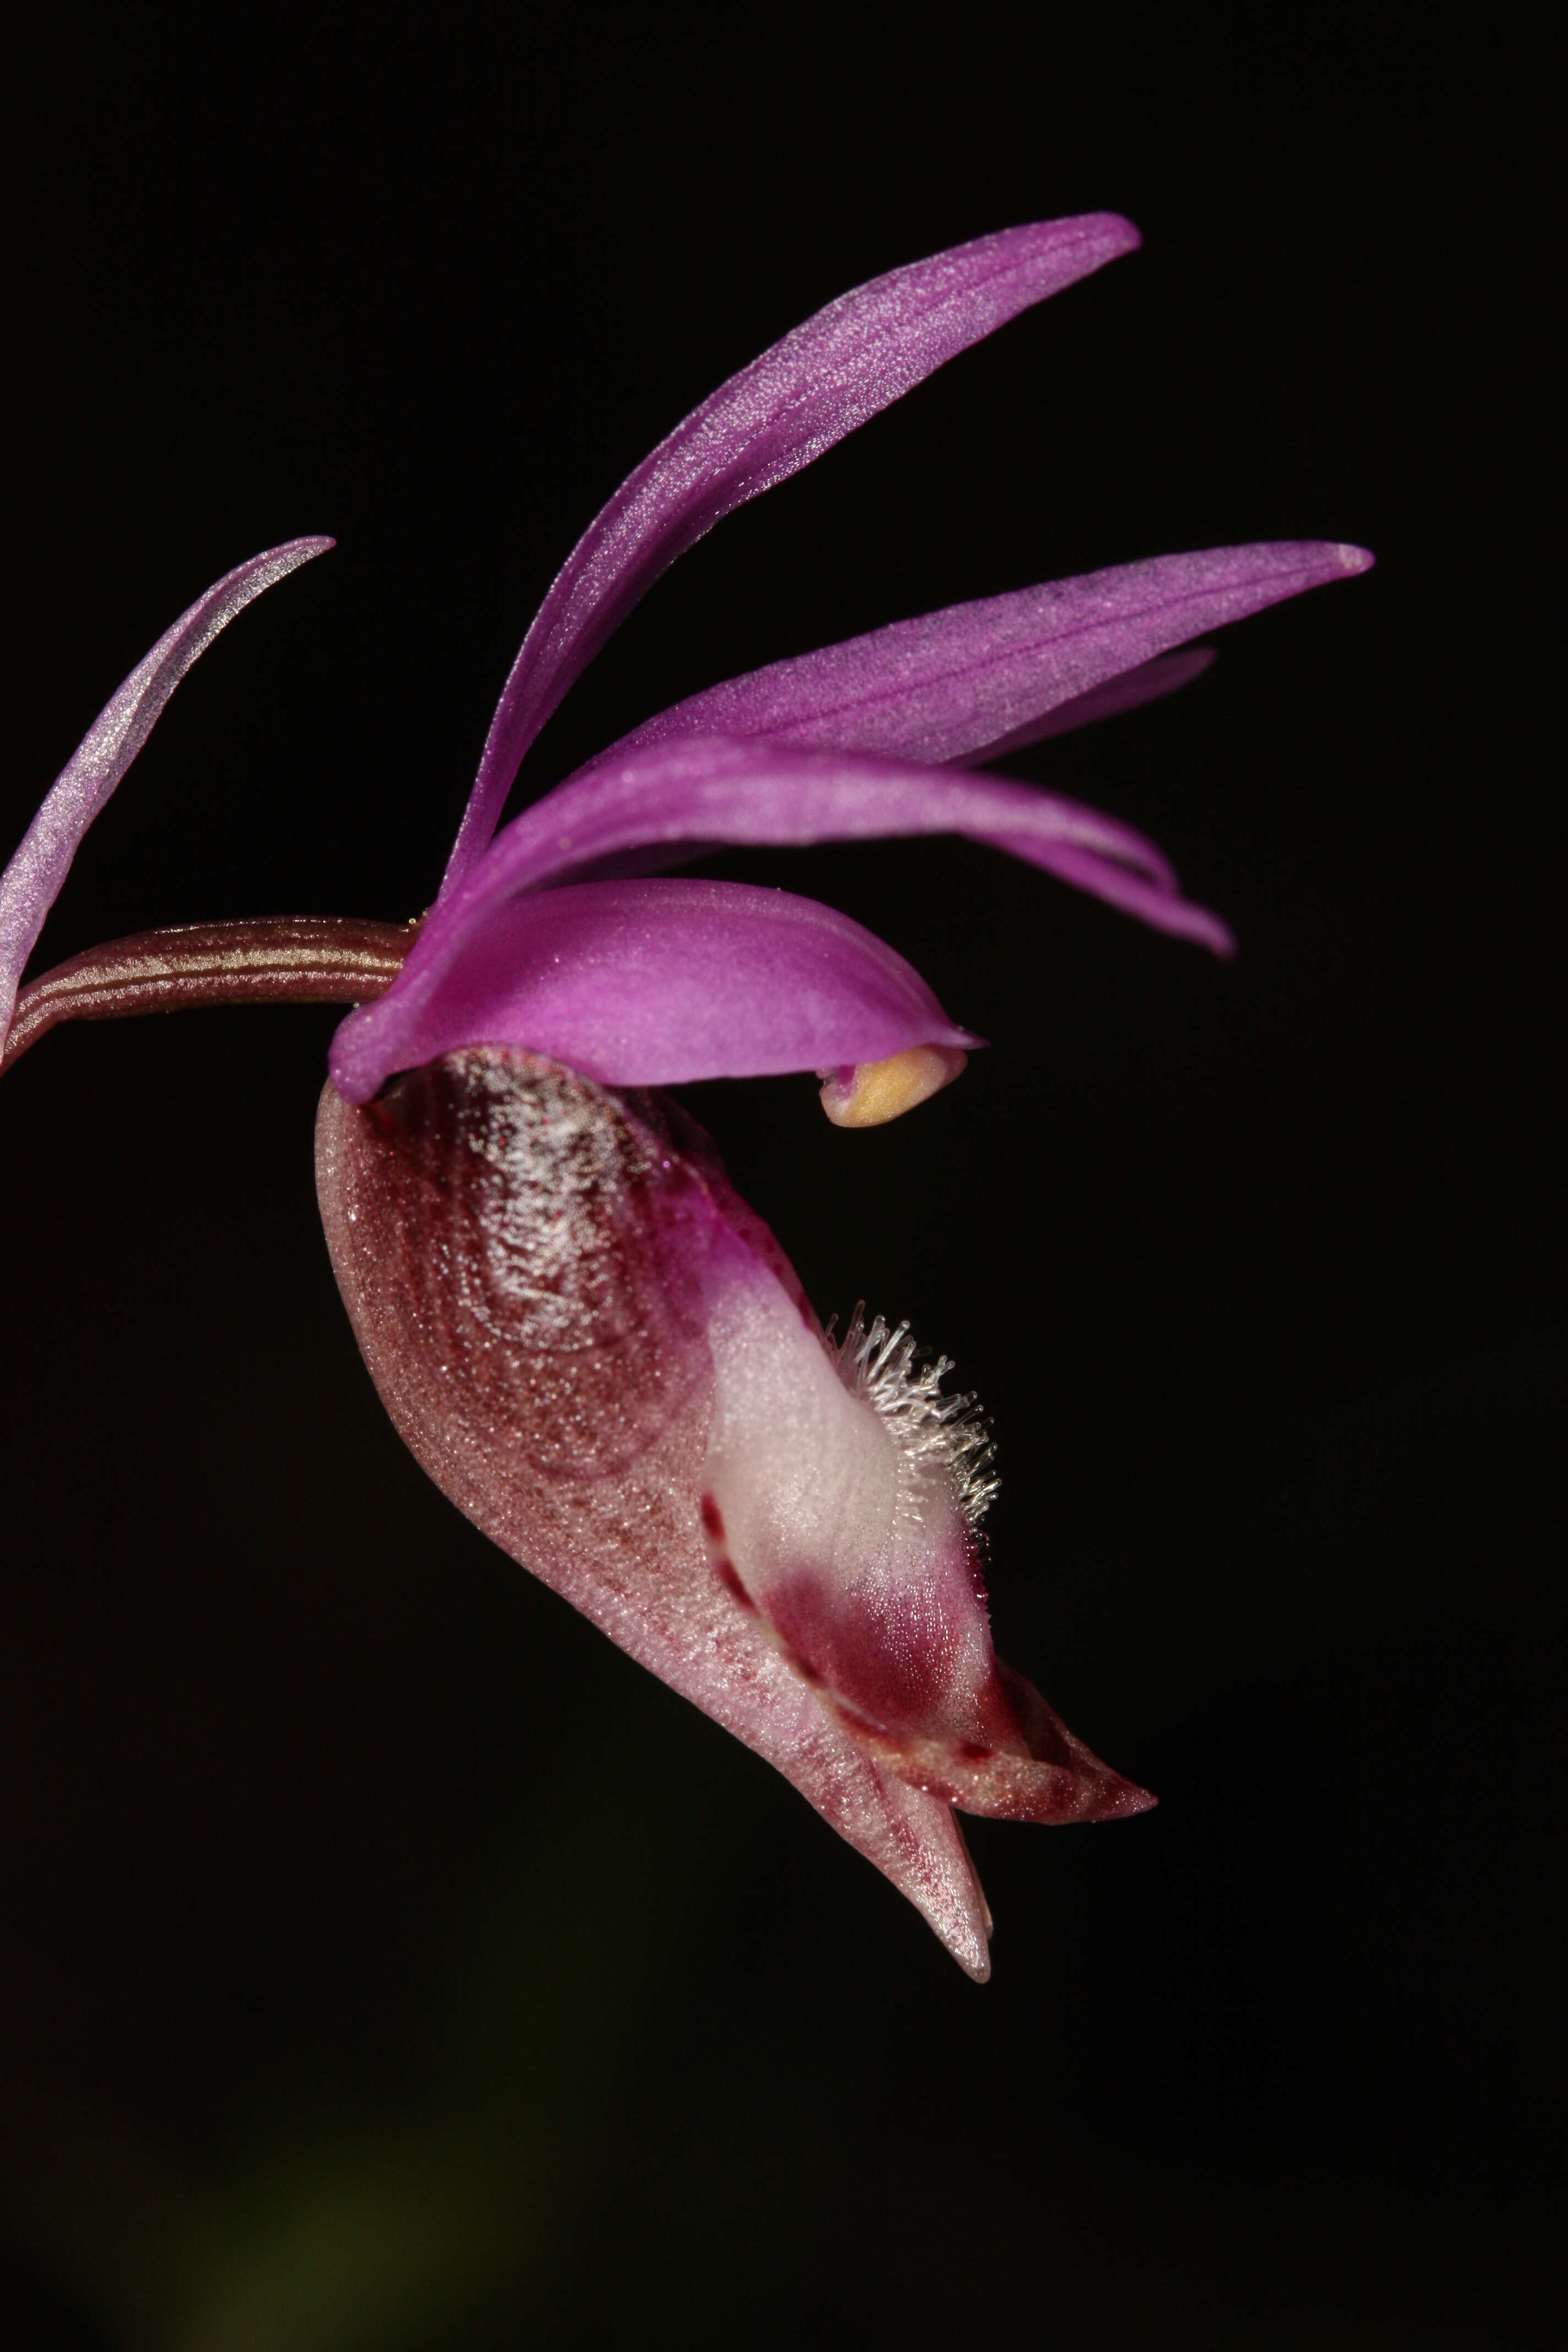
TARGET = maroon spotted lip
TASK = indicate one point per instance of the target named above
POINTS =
(570, 1317)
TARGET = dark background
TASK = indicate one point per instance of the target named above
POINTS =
(384, 1960)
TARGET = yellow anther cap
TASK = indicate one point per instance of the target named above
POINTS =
(868, 1093)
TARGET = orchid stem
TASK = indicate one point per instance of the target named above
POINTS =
(273, 959)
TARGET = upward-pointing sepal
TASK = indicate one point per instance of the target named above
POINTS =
(32, 881)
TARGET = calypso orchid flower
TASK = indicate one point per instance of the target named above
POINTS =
(593, 1347)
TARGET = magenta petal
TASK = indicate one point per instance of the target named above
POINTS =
(648, 984)
(826, 376)
(32, 881)
(752, 792)
(979, 679)
(1150, 682)
(715, 790)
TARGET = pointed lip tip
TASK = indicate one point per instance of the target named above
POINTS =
(1117, 1799)
(1354, 559)
(977, 1968)
(1129, 1799)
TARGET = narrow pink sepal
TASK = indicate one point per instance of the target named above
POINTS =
(977, 681)
(650, 984)
(825, 377)
(687, 794)
(33, 880)
(1150, 682)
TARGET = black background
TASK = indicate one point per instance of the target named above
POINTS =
(384, 1960)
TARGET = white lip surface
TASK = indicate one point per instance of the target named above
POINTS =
(861, 1561)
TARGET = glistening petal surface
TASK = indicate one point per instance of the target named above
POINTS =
(718, 791)
(649, 983)
(33, 880)
(1150, 682)
(822, 379)
(976, 679)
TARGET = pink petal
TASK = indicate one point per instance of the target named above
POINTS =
(711, 792)
(980, 680)
(648, 984)
(581, 1333)
(825, 377)
(1150, 682)
(32, 881)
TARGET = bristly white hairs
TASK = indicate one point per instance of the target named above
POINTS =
(947, 1436)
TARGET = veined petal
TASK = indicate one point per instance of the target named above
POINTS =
(717, 791)
(826, 376)
(979, 679)
(32, 881)
(1150, 682)
(649, 983)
